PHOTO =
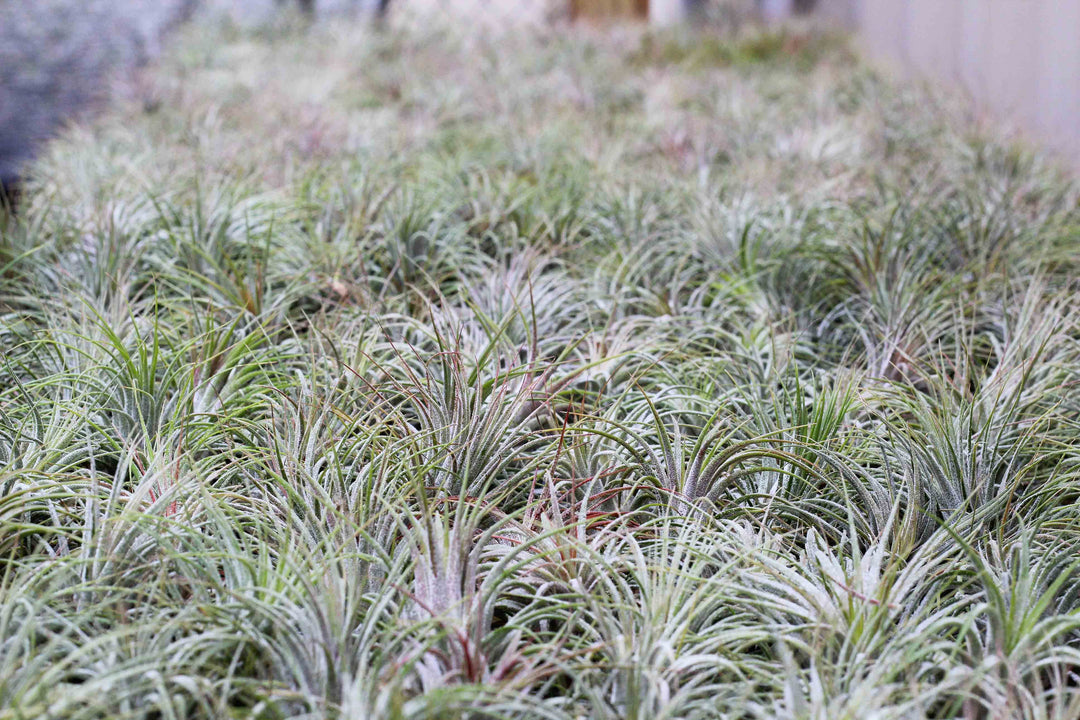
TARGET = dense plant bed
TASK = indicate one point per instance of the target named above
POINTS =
(579, 375)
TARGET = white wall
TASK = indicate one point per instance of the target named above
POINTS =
(1018, 58)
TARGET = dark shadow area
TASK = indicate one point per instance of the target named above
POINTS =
(9, 194)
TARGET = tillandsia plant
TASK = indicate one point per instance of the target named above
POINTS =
(610, 373)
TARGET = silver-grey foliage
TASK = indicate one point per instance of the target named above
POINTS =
(679, 377)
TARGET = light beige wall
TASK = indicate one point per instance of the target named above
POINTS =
(1017, 58)
(1059, 74)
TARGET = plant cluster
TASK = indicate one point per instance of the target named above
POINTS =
(577, 375)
